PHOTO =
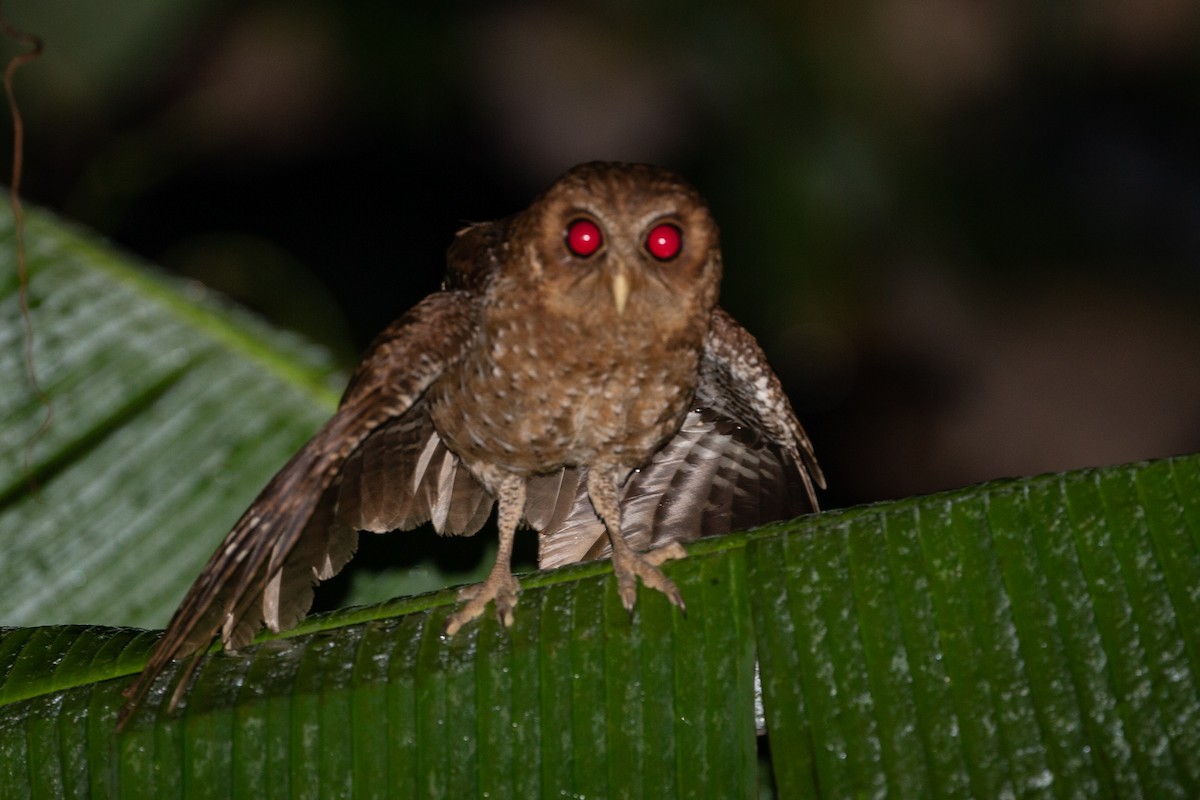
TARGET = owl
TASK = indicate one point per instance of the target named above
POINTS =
(576, 371)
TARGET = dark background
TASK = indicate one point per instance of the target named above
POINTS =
(967, 233)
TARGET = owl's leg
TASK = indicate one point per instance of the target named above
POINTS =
(629, 565)
(500, 586)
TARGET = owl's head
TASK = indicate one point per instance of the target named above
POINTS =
(616, 239)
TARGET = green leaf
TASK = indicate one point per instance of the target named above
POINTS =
(1032, 637)
(170, 411)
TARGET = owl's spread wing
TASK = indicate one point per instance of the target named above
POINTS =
(740, 459)
(289, 537)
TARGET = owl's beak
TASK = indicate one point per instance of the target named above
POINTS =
(620, 290)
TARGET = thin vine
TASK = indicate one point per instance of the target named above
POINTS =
(33, 52)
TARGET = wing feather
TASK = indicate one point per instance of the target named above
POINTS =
(265, 567)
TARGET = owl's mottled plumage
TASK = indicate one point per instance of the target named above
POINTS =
(590, 386)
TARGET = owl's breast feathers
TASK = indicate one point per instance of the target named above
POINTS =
(539, 391)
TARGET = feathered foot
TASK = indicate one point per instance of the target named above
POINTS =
(500, 587)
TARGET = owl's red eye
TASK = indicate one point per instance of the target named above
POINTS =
(664, 242)
(583, 237)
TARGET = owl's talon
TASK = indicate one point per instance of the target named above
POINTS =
(627, 589)
(632, 566)
(500, 588)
